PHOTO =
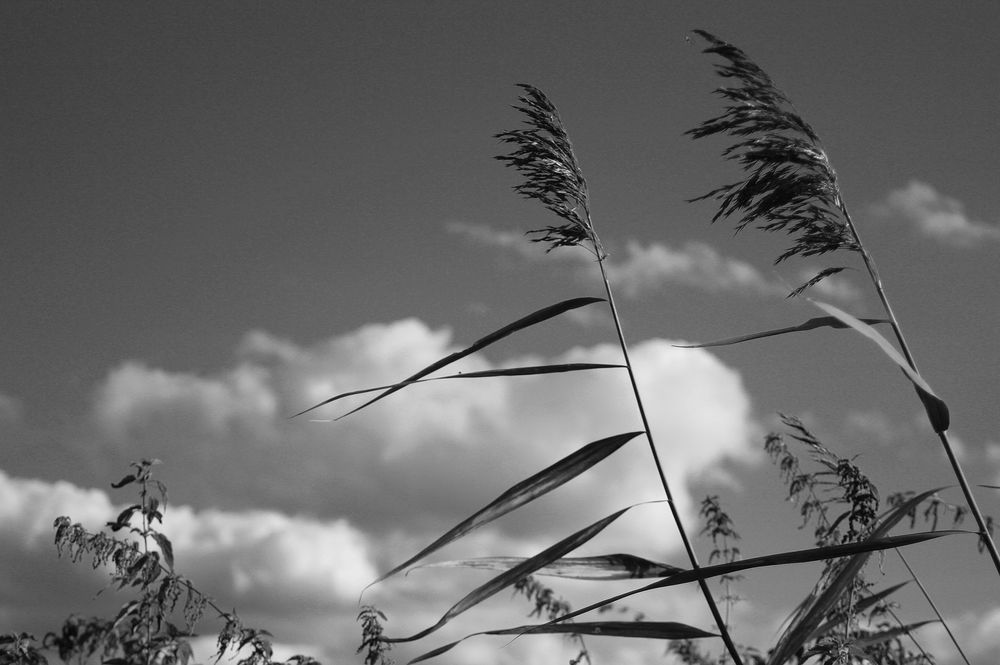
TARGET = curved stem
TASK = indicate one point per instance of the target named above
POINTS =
(956, 467)
(692, 557)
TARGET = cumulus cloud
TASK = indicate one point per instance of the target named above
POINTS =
(645, 268)
(286, 517)
(696, 264)
(936, 215)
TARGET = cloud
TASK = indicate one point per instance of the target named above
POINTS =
(644, 268)
(288, 519)
(695, 264)
(935, 215)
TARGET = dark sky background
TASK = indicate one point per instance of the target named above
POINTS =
(216, 214)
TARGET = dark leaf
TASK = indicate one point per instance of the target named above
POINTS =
(517, 573)
(534, 318)
(524, 492)
(811, 324)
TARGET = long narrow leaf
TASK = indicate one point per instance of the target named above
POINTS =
(808, 617)
(780, 559)
(604, 567)
(539, 316)
(660, 630)
(861, 606)
(892, 633)
(937, 410)
(811, 324)
(525, 491)
(530, 370)
(517, 573)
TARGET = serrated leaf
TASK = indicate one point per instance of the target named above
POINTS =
(534, 318)
(604, 567)
(517, 573)
(937, 410)
(166, 548)
(130, 478)
(659, 630)
(524, 492)
(811, 324)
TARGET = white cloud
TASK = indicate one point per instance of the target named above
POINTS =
(644, 268)
(695, 264)
(289, 519)
(936, 215)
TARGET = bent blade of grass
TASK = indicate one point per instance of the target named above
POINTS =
(811, 324)
(779, 559)
(891, 633)
(524, 492)
(808, 616)
(661, 630)
(861, 606)
(603, 567)
(530, 370)
(937, 410)
(534, 318)
(519, 572)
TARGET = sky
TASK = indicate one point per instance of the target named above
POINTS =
(216, 215)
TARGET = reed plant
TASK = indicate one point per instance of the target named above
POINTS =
(788, 186)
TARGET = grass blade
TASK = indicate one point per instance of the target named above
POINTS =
(534, 318)
(524, 492)
(518, 572)
(808, 617)
(892, 633)
(811, 324)
(530, 370)
(604, 567)
(660, 630)
(779, 559)
(937, 410)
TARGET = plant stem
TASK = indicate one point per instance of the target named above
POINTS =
(692, 557)
(904, 347)
(934, 607)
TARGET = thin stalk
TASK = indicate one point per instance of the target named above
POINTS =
(692, 557)
(930, 602)
(943, 436)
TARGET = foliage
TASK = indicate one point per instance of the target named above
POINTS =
(789, 186)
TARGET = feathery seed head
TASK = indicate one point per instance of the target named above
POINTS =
(789, 184)
(544, 155)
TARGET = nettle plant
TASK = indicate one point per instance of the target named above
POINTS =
(789, 186)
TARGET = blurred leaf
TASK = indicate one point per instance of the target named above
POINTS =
(861, 606)
(539, 316)
(124, 481)
(809, 616)
(892, 633)
(166, 547)
(818, 322)
(937, 410)
(605, 567)
(518, 572)
(524, 492)
(660, 630)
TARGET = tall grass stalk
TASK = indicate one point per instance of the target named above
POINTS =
(544, 155)
(792, 187)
